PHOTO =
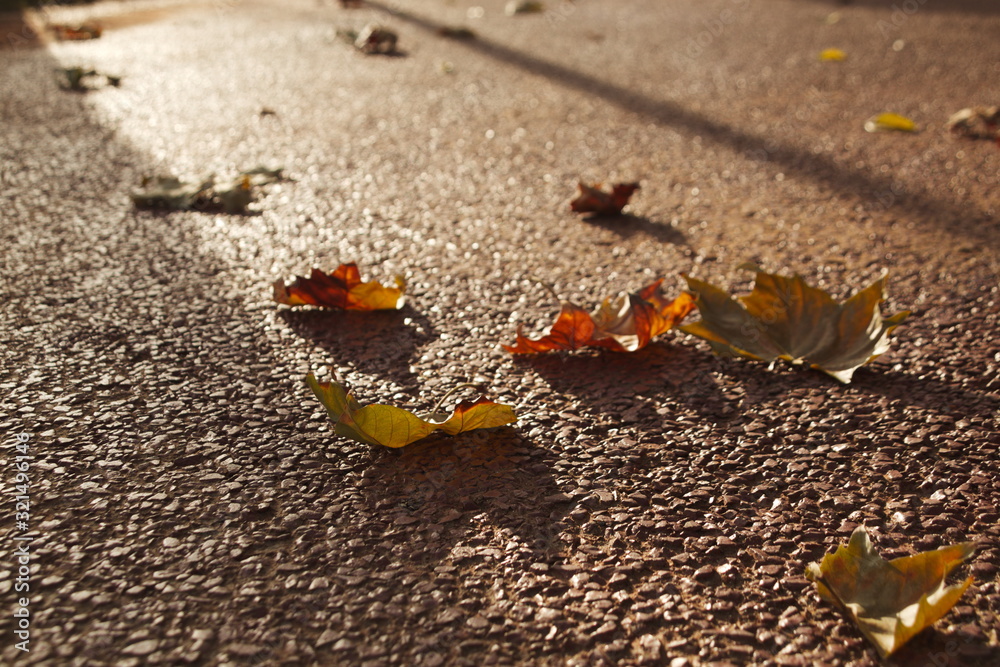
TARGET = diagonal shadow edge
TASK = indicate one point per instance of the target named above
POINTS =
(820, 168)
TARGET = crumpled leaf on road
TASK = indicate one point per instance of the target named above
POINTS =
(80, 79)
(232, 196)
(832, 55)
(456, 32)
(172, 193)
(891, 601)
(395, 427)
(784, 318)
(594, 200)
(70, 33)
(889, 122)
(515, 7)
(373, 39)
(340, 289)
(976, 123)
(626, 324)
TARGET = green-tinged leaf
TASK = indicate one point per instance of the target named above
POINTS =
(784, 318)
(79, 79)
(231, 196)
(171, 192)
(235, 196)
(395, 427)
(262, 175)
(891, 601)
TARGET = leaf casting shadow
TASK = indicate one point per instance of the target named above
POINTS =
(628, 225)
(611, 382)
(379, 341)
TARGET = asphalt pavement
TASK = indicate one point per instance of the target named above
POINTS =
(189, 502)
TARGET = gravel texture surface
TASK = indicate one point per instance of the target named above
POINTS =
(189, 501)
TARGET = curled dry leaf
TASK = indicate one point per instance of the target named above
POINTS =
(832, 55)
(232, 196)
(594, 200)
(784, 318)
(887, 122)
(626, 324)
(80, 79)
(395, 427)
(171, 192)
(70, 33)
(976, 123)
(372, 39)
(891, 601)
(341, 289)
(456, 32)
(515, 7)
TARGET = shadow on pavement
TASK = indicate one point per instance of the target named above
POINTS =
(379, 341)
(969, 6)
(941, 397)
(933, 647)
(611, 382)
(822, 169)
(431, 491)
(628, 226)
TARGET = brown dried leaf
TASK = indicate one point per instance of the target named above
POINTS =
(594, 200)
(784, 318)
(976, 123)
(891, 601)
(71, 33)
(626, 324)
(341, 289)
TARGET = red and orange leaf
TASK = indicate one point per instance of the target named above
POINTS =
(594, 200)
(626, 324)
(630, 325)
(572, 330)
(341, 289)
(69, 33)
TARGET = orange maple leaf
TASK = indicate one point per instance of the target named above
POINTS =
(341, 289)
(626, 324)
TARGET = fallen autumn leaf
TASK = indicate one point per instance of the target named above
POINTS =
(887, 122)
(594, 200)
(79, 79)
(976, 123)
(784, 318)
(232, 196)
(373, 39)
(626, 324)
(891, 601)
(395, 427)
(515, 7)
(70, 33)
(340, 289)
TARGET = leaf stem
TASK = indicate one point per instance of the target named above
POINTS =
(548, 287)
(452, 391)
